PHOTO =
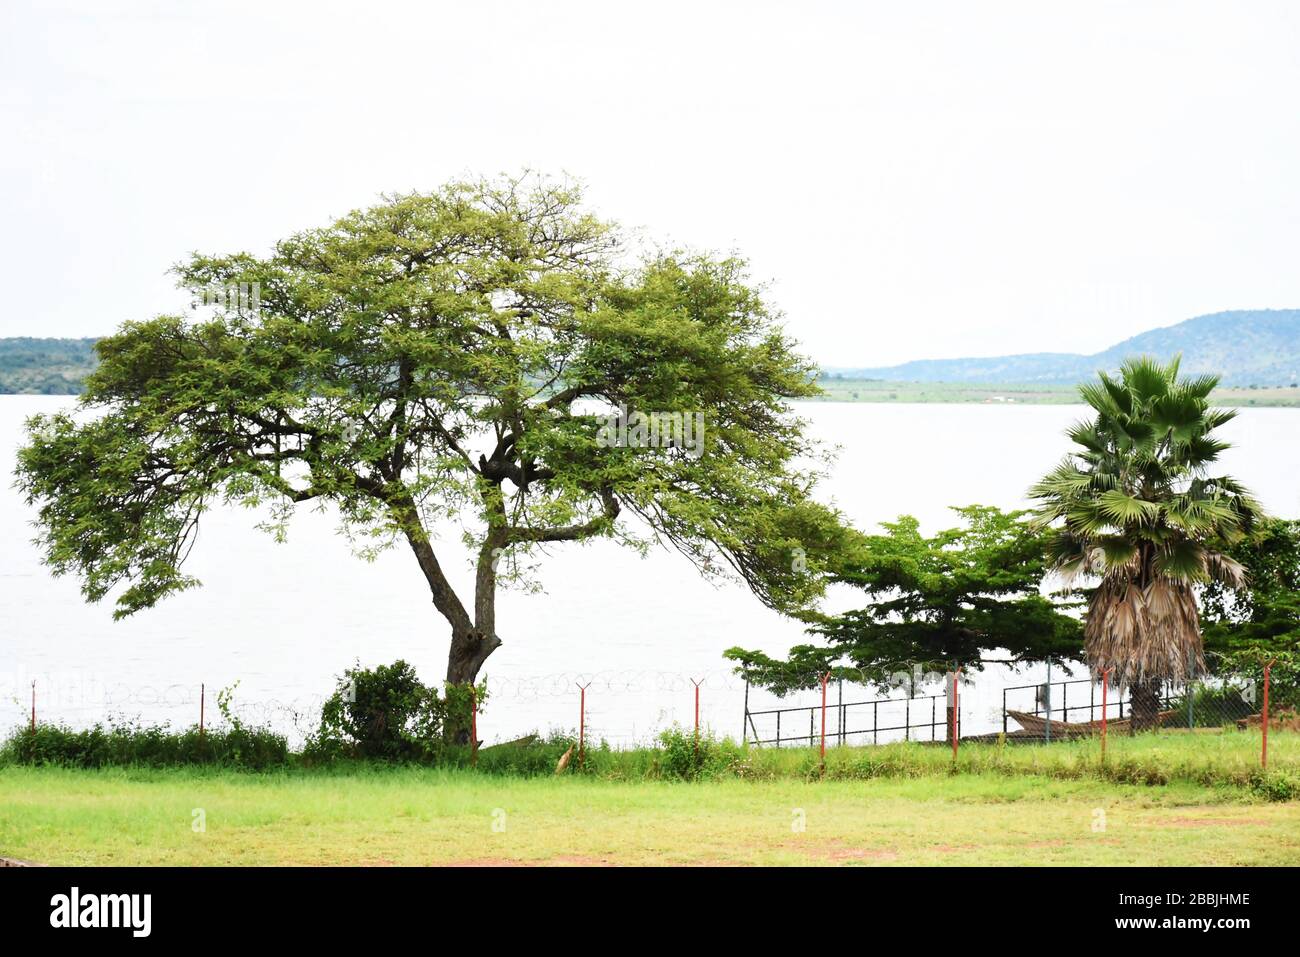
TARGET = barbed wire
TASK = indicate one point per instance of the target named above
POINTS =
(1225, 697)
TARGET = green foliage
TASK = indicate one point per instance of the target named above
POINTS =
(1247, 667)
(1214, 706)
(138, 745)
(684, 755)
(1136, 507)
(387, 713)
(444, 355)
(528, 758)
(954, 597)
(1265, 615)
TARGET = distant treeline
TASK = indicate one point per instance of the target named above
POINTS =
(45, 366)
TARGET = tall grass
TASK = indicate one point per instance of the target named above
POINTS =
(132, 745)
(1228, 759)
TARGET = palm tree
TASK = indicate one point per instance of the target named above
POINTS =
(1139, 511)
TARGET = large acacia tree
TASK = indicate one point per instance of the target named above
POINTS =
(444, 357)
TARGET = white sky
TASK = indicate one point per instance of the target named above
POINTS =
(915, 180)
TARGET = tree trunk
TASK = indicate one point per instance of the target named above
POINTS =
(469, 649)
(1145, 704)
(472, 639)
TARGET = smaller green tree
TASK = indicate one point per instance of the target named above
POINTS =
(969, 596)
(1265, 615)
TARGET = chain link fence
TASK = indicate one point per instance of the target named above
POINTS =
(915, 703)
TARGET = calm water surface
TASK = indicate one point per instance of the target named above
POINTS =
(284, 619)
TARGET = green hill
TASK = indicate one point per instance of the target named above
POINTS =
(45, 366)
(1249, 349)
(1246, 348)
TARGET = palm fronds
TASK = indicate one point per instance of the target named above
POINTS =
(1136, 508)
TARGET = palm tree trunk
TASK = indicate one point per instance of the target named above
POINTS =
(1145, 702)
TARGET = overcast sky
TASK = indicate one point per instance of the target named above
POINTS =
(914, 180)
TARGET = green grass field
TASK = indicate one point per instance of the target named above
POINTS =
(1200, 802)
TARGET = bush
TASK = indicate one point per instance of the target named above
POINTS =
(684, 755)
(529, 757)
(1274, 786)
(1212, 707)
(157, 746)
(387, 713)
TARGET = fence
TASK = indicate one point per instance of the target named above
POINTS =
(842, 713)
(1264, 698)
(1230, 698)
(1101, 702)
(913, 718)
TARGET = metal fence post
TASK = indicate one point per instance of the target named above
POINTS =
(744, 725)
(202, 703)
(33, 704)
(582, 722)
(1263, 754)
(956, 709)
(840, 709)
(1105, 687)
(1047, 704)
(697, 713)
(824, 678)
(473, 726)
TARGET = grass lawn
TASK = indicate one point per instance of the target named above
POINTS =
(1025, 805)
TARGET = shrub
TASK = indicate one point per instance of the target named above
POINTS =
(1212, 707)
(1274, 786)
(147, 746)
(528, 757)
(683, 754)
(387, 713)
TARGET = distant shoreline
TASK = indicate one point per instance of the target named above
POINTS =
(961, 393)
(869, 391)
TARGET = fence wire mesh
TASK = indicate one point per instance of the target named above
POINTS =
(629, 708)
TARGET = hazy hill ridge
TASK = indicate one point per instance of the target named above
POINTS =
(45, 366)
(1245, 347)
(1258, 347)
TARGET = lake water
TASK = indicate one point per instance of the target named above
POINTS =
(284, 619)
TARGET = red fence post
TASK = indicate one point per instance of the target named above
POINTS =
(824, 677)
(1263, 754)
(1105, 686)
(956, 709)
(697, 713)
(473, 726)
(582, 722)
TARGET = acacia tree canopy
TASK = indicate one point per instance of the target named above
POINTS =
(444, 356)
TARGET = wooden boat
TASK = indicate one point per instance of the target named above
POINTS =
(1036, 724)
(1282, 720)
